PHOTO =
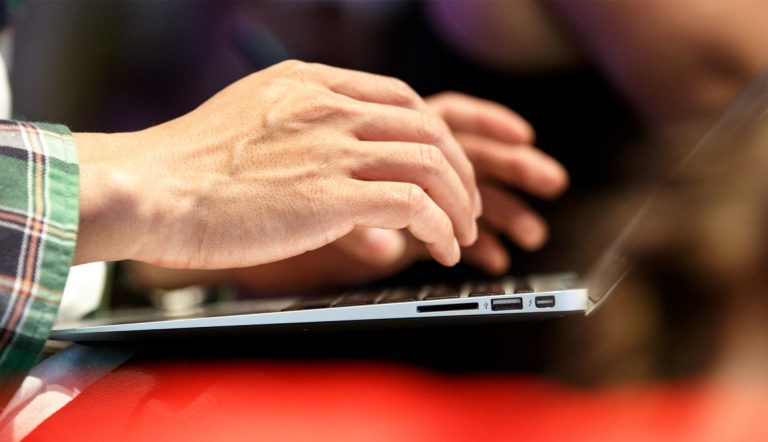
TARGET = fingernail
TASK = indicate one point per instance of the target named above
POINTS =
(530, 232)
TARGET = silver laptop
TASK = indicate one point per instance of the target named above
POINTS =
(510, 298)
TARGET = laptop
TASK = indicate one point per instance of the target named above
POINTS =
(505, 299)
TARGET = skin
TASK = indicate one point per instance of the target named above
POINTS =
(282, 162)
(717, 50)
(499, 144)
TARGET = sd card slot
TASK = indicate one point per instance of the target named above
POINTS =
(447, 307)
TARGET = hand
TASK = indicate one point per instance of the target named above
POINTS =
(283, 161)
(334, 267)
(499, 144)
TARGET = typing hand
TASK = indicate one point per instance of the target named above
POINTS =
(499, 144)
(284, 161)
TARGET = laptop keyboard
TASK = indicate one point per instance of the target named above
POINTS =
(466, 291)
(437, 291)
(487, 288)
(399, 295)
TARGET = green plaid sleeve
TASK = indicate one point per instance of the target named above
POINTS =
(39, 194)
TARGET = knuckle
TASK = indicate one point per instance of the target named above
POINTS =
(314, 66)
(346, 156)
(321, 108)
(305, 72)
(293, 66)
(429, 129)
(431, 160)
(414, 200)
(402, 91)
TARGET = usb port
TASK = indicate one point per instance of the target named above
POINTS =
(545, 301)
(507, 304)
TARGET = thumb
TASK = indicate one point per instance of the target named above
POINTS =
(379, 247)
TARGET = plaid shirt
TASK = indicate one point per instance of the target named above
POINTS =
(39, 194)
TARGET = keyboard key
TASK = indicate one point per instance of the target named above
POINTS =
(522, 286)
(358, 298)
(310, 303)
(486, 288)
(553, 282)
(441, 291)
(399, 295)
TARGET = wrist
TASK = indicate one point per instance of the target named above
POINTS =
(113, 217)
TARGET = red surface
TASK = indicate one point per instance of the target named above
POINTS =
(235, 401)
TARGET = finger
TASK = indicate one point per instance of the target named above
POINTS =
(425, 165)
(377, 247)
(389, 123)
(530, 170)
(483, 117)
(378, 89)
(365, 86)
(488, 254)
(509, 214)
(389, 205)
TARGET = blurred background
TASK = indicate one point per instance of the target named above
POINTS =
(617, 91)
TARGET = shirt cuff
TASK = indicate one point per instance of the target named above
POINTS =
(39, 178)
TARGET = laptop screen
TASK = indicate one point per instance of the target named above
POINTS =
(746, 119)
